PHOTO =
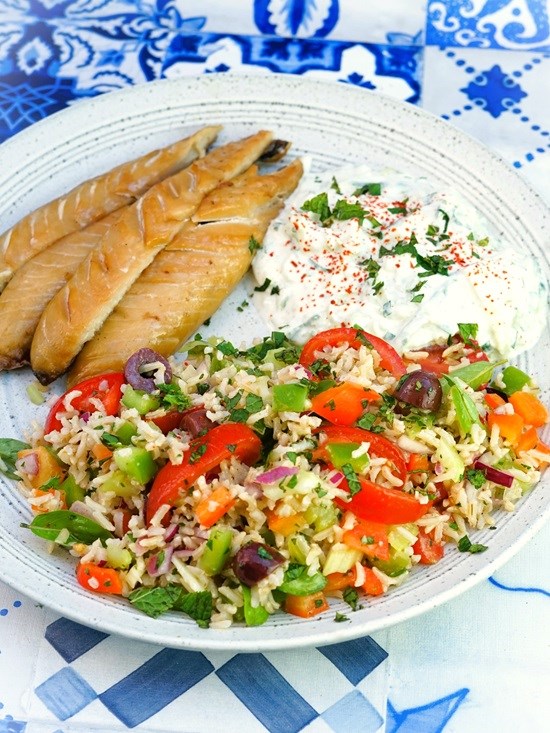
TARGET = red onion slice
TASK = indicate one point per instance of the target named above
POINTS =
(28, 464)
(494, 474)
(171, 532)
(79, 507)
(154, 568)
(184, 553)
(276, 474)
(336, 478)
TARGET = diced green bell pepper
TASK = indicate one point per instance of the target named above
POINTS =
(321, 516)
(73, 492)
(216, 551)
(143, 402)
(514, 379)
(252, 616)
(298, 583)
(126, 432)
(341, 454)
(135, 462)
(289, 397)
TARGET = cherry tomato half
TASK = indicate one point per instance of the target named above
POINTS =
(106, 388)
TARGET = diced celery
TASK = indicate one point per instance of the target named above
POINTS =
(143, 402)
(73, 492)
(252, 616)
(135, 462)
(118, 557)
(402, 537)
(321, 516)
(216, 551)
(119, 483)
(298, 547)
(397, 564)
(289, 397)
(341, 454)
(448, 456)
(126, 432)
(302, 482)
(514, 379)
(340, 559)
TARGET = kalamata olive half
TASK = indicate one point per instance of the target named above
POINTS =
(135, 370)
(195, 422)
(420, 389)
(255, 561)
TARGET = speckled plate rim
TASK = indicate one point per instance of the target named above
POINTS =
(475, 171)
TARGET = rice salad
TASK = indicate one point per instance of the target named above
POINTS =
(242, 482)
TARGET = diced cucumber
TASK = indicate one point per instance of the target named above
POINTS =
(135, 462)
(252, 616)
(118, 557)
(297, 582)
(340, 559)
(341, 454)
(216, 551)
(321, 516)
(402, 537)
(119, 483)
(141, 401)
(397, 564)
(298, 548)
(448, 456)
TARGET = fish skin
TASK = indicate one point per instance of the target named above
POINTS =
(96, 198)
(79, 308)
(188, 280)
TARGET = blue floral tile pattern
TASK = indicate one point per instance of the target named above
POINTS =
(518, 25)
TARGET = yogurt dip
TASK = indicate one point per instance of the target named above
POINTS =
(387, 252)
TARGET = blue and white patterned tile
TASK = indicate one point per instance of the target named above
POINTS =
(402, 21)
(498, 97)
(518, 25)
(83, 676)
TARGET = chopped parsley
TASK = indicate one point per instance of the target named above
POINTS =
(173, 397)
(227, 348)
(339, 617)
(53, 483)
(468, 332)
(197, 454)
(334, 185)
(476, 477)
(110, 440)
(351, 478)
(264, 554)
(263, 287)
(418, 298)
(351, 597)
(367, 540)
(464, 545)
(9, 448)
(253, 245)
(446, 220)
(375, 189)
(318, 205)
(253, 403)
(430, 264)
(373, 268)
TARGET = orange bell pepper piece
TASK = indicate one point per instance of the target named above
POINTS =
(213, 507)
(510, 426)
(530, 408)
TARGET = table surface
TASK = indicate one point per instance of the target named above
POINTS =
(478, 663)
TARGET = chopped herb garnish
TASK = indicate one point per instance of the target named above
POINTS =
(351, 478)
(339, 617)
(351, 597)
(110, 440)
(418, 298)
(239, 415)
(375, 189)
(275, 290)
(334, 185)
(343, 211)
(196, 454)
(367, 540)
(53, 483)
(292, 456)
(331, 404)
(253, 245)
(203, 387)
(483, 242)
(453, 525)
(464, 545)
(402, 209)
(476, 477)
(232, 447)
(227, 348)
(253, 403)
(292, 481)
(173, 397)
(318, 205)
(367, 421)
(468, 332)
(264, 554)
(263, 287)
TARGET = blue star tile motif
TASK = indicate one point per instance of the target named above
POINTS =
(494, 91)
(430, 718)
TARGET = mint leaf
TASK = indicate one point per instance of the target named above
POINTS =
(468, 332)
(9, 448)
(155, 601)
(318, 205)
(375, 189)
(196, 605)
(344, 210)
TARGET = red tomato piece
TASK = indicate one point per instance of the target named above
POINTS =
(381, 504)
(344, 404)
(106, 388)
(167, 422)
(372, 585)
(429, 550)
(97, 579)
(205, 454)
(370, 538)
(435, 362)
(355, 337)
(380, 446)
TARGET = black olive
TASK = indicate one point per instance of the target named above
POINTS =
(255, 561)
(133, 371)
(420, 389)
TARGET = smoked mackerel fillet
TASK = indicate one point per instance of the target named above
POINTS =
(94, 199)
(79, 309)
(188, 280)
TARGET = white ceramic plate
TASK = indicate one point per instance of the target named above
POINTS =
(336, 124)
